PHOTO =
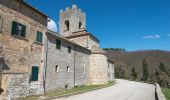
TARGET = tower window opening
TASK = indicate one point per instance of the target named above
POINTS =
(67, 25)
(80, 25)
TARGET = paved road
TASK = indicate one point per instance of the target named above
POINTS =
(123, 90)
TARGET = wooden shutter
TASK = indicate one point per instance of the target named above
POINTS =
(58, 44)
(14, 28)
(23, 31)
(35, 71)
(39, 37)
(69, 49)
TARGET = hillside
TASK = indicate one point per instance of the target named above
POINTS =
(128, 62)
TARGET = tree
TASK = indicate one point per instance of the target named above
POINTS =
(162, 67)
(145, 71)
(134, 73)
(119, 72)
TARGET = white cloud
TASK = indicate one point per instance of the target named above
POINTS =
(155, 36)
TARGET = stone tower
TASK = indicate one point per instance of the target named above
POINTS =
(71, 20)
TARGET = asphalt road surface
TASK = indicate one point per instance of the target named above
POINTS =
(122, 90)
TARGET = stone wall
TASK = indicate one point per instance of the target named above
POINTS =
(74, 16)
(111, 74)
(82, 63)
(25, 9)
(61, 57)
(82, 41)
(19, 85)
(20, 54)
(98, 69)
(92, 42)
(77, 60)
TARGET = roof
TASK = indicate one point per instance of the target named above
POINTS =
(110, 60)
(81, 33)
(29, 5)
(97, 50)
(62, 37)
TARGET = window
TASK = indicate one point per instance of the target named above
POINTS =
(69, 49)
(0, 23)
(80, 25)
(68, 69)
(39, 37)
(34, 75)
(67, 25)
(18, 29)
(56, 68)
(58, 44)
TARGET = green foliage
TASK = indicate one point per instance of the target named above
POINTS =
(162, 67)
(158, 72)
(145, 71)
(166, 92)
(134, 74)
(119, 72)
(115, 49)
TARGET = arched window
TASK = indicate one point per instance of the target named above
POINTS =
(80, 25)
(67, 25)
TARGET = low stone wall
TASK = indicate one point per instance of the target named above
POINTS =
(18, 85)
(158, 93)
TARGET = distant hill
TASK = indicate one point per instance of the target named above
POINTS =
(125, 62)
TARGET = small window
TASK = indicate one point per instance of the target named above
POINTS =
(18, 29)
(69, 49)
(0, 23)
(68, 69)
(34, 74)
(67, 25)
(39, 37)
(58, 44)
(80, 25)
(56, 68)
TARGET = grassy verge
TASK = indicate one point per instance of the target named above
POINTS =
(75, 90)
(79, 89)
(166, 92)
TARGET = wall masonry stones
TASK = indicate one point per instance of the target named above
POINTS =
(98, 69)
(20, 54)
(77, 60)
(86, 65)
(82, 63)
(60, 57)
(74, 16)
(111, 73)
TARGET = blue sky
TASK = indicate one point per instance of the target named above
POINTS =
(129, 24)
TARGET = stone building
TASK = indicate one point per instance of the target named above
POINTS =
(73, 27)
(21, 47)
(67, 63)
(35, 60)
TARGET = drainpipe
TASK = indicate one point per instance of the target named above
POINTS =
(46, 57)
(74, 65)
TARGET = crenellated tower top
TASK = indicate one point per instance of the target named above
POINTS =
(72, 20)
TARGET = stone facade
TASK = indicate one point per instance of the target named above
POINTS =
(111, 74)
(72, 20)
(98, 66)
(77, 60)
(84, 39)
(20, 53)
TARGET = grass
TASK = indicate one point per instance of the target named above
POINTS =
(79, 89)
(74, 90)
(166, 92)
